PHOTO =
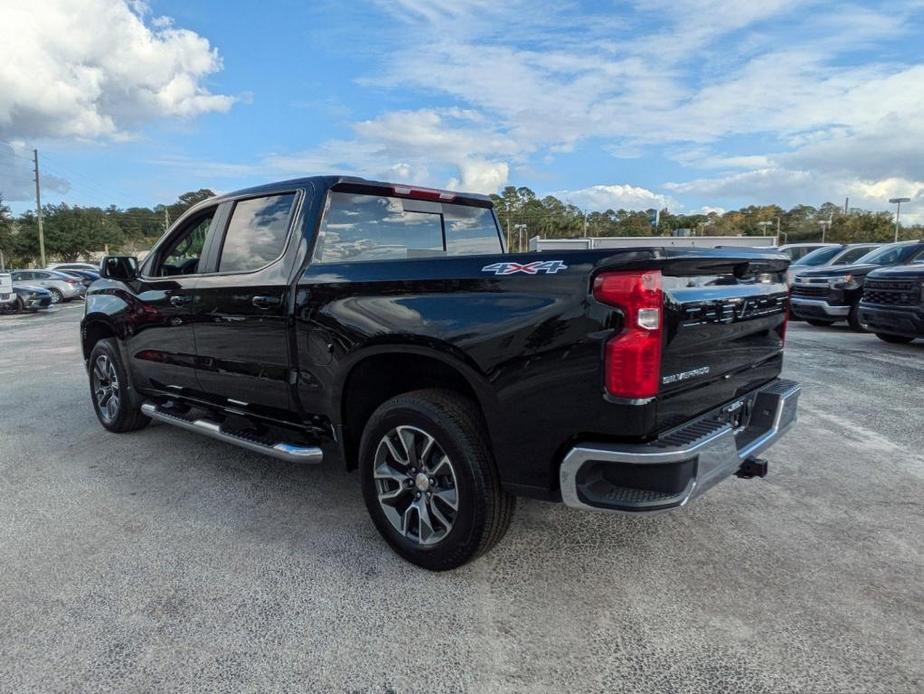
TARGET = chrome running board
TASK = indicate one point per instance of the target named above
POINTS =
(288, 452)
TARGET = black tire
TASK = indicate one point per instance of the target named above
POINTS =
(484, 509)
(56, 296)
(853, 319)
(894, 339)
(820, 323)
(20, 305)
(125, 415)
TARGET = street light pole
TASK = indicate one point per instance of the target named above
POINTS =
(898, 211)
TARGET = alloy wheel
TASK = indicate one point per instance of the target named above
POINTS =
(106, 387)
(415, 483)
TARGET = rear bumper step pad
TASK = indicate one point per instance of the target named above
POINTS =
(290, 453)
(670, 471)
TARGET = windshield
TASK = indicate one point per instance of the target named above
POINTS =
(819, 256)
(893, 254)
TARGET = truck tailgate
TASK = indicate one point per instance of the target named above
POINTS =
(723, 336)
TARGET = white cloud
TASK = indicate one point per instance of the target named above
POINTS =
(94, 68)
(443, 147)
(615, 197)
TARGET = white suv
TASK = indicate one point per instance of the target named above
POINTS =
(7, 295)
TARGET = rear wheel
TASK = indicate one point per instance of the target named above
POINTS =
(820, 323)
(429, 479)
(56, 295)
(112, 401)
(894, 339)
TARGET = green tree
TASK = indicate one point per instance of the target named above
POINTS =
(6, 234)
(70, 232)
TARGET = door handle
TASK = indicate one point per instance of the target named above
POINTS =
(265, 302)
(179, 300)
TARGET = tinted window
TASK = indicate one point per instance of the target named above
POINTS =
(44, 276)
(256, 233)
(853, 255)
(819, 256)
(361, 227)
(470, 230)
(20, 276)
(800, 251)
(184, 250)
(893, 254)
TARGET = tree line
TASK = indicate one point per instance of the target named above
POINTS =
(73, 232)
(549, 217)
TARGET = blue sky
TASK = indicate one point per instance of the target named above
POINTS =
(690, 104)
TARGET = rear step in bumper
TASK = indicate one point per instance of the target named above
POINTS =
(288, 452)
(682, 464)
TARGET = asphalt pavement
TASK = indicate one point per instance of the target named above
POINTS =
(163, 561)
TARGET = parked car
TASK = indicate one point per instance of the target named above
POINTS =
(826, 295)
(7, 296)
(86, 277)
(31, 299)
(828, 256)
(384, 327)
(62, 287)
(73, 266)
(893, 303)
(795, 251)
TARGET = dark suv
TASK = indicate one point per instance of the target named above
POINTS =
(831, 294)
(893, 303)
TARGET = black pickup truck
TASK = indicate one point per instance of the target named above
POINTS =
(893, 303)
(383, 326)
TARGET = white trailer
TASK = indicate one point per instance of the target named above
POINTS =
(539, 244)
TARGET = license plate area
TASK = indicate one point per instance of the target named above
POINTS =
(736, 414)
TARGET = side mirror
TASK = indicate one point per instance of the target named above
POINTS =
(119, 267)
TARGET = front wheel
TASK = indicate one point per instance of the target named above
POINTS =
(894, 339)
(429, 479)
(115, 408)
(56, 296)
(853, 319)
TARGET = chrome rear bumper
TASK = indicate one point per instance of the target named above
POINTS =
(683, 463)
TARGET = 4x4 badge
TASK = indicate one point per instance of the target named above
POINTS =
(549, 267)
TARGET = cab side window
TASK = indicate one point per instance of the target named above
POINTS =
(183, 252)
(256, 233)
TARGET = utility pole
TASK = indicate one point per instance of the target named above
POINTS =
(38, 207)
(826, 226)
(507, 209)
(898, 211)
(520, 228)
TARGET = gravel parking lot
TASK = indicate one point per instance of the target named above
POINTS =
(164, 561)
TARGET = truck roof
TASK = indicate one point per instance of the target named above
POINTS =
(326, 182)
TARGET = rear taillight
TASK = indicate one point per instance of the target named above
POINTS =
(632, 359)
(782, 329)
(72, 281)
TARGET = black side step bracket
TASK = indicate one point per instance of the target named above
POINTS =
(290, 453)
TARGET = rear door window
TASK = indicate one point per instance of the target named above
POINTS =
(852, 255)
(256, 233)
(363, 227)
